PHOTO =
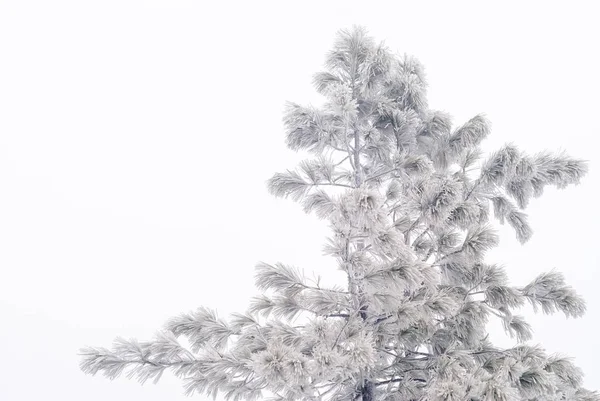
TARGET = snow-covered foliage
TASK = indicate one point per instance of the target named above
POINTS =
(411, 202)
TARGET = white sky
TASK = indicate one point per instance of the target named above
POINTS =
(136, 137)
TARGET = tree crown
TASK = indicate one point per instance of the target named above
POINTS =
(411, 202)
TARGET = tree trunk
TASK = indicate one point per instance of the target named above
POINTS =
(366, 391)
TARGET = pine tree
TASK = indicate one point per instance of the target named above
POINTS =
(411, 202)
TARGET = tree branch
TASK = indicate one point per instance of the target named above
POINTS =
(379, 175)
(399, 379)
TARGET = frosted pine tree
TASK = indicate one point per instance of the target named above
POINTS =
(411, 203)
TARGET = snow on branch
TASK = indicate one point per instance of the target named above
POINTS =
(500, 165)
(517, 327)
(559, 170)
(307, 128)
(312, 173)
(524, 177)
(280, 278)
(322, 81)
(550, 293)
(505, 210)
(320, 202)
(140, 360)
(565, 369)
(469, 135)
(201, 327)
(289, 184)
(478, 240)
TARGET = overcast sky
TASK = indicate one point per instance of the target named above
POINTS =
(136, 138)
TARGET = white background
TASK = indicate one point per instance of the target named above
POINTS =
(136, 138)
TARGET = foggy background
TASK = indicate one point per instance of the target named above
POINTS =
(136, 138)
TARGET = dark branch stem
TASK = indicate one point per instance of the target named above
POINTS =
(473, 188)
(309, 287)
(344, 315)
(399, 379)
(334, 184)
(341, 161)
(379, 175)
(420, 236)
